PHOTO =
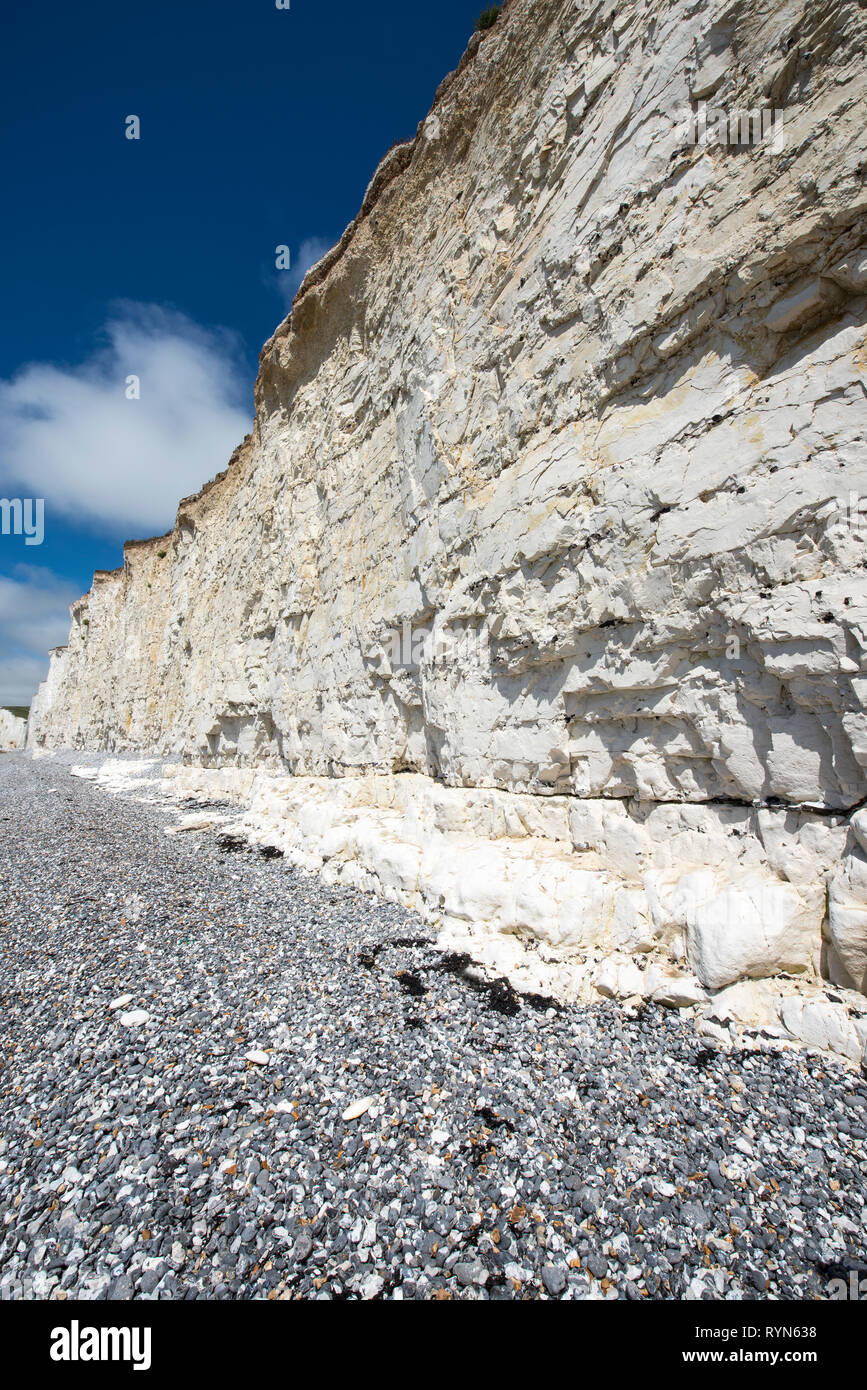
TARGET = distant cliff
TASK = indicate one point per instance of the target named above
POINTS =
(13, 731)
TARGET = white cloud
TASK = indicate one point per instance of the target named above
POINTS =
(70, 435)
(289, 281)
(34, 617)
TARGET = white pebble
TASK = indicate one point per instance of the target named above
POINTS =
(358, 1108)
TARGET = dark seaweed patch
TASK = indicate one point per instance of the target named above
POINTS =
(541, 1003)
(492, 1119)
(368, 957)
(499, 994)
(231, 844)
(411, 983)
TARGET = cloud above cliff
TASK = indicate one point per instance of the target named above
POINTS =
(34, 617)
(116, 441)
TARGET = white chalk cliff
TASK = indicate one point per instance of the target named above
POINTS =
(584, 401)
(13, 731)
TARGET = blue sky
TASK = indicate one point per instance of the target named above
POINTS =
(156, 258)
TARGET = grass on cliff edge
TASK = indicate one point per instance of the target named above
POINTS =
(20, 711)
(488, 18)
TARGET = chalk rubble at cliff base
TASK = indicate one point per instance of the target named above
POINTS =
(498, 876)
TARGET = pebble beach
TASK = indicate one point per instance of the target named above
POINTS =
(222, 1078)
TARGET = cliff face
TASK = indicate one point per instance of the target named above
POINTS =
(582, 401)
(13, 731)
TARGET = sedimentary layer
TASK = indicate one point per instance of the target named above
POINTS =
(552, 504)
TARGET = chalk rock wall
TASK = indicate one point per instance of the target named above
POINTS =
(13, 731)
(555, 489)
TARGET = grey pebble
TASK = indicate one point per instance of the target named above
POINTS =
(554, 1279)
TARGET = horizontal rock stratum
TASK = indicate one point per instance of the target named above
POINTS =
(547, 546)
